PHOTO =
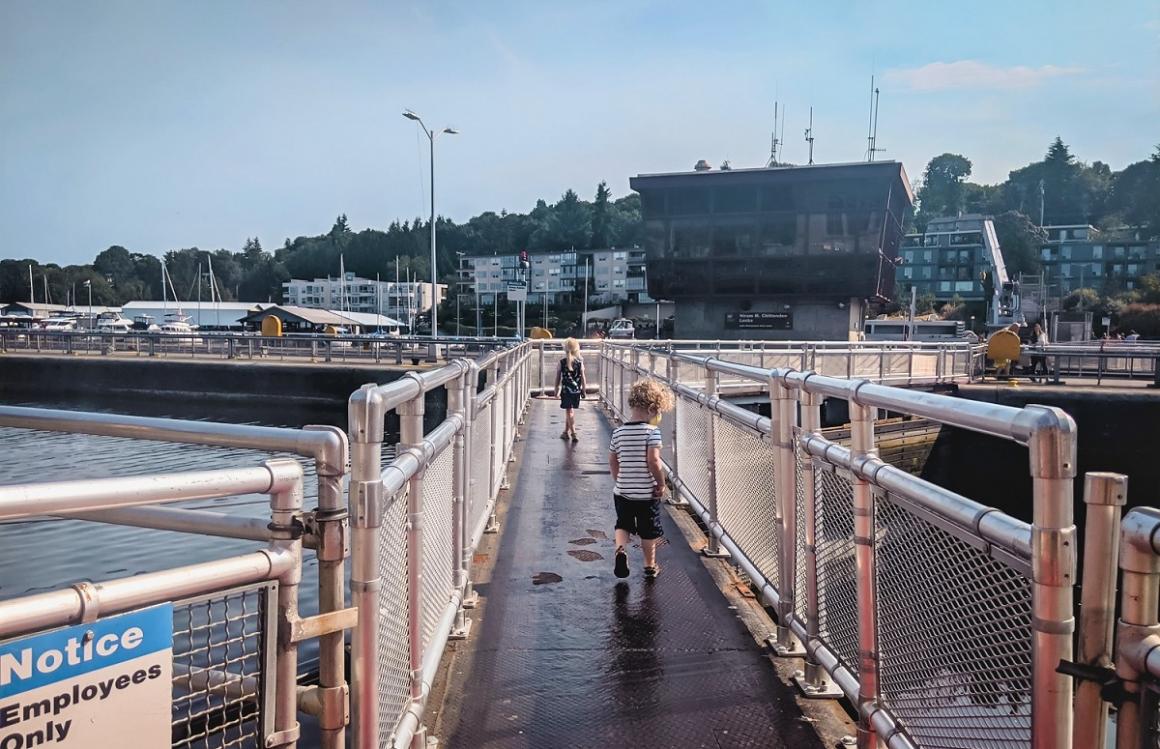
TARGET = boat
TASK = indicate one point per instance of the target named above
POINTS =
(59, 324)
(113, 322)
(145, 324)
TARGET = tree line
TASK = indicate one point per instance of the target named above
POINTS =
(253, 274)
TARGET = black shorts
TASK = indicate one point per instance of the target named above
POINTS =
(639, 516)
(569, 400)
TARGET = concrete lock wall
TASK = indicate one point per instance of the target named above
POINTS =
(828, 320)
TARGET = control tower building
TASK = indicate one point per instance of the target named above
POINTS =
(780, 253)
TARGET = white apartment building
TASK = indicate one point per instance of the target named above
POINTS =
(356, 294)
(614, 275)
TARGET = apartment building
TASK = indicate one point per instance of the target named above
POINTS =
(1081, 256)
(614, 275)
(949, 259)
(356, 294)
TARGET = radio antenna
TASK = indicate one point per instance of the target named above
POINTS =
(810, 135)
(874, 149)
(774, 142)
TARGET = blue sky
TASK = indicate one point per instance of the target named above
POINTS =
(159, 125)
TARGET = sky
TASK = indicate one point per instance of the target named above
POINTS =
(160, 125)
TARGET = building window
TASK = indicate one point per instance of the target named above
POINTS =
(1118, 251)
(906, 272)
(1097, 269)
(1065, 252)
(1097, 252)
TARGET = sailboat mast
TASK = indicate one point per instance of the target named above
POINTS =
(31, 286)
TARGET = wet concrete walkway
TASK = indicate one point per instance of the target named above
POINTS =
(563, 654)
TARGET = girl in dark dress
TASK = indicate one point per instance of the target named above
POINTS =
(570, 386)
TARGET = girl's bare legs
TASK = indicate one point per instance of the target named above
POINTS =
(649, 547)
(570, 421)
(622, 539)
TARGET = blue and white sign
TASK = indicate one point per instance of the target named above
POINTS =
(105, 684)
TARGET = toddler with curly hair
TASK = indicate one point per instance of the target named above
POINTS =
(634, 457)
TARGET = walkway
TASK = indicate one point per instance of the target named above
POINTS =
(564, 655)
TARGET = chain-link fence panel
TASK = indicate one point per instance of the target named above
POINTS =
(221, 645)
(394, 651)
(837, 581)
(668, 437)
(693, 448)
(746, 505)
(438, 511)
(954, 634)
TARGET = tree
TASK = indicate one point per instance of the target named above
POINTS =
(943, 189)
(252, 253)
(570, 224)
(1020, 240)
(115, 263)
(601, 220)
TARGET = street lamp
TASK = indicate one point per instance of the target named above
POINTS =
(434, 273)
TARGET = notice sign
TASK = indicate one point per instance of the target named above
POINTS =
(755, 320)
(105, 684)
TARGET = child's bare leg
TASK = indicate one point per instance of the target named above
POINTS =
(649, 547)
(622, 538)
(569, 425)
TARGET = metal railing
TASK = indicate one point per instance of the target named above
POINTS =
(245, 346)
(236, 626)
(417, 522)
(1114, 360)
(941, 619)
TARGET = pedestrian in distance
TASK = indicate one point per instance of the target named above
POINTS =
(1039, 361)
(634, 457)
(570, 386)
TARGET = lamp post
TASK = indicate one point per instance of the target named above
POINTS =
(434, 273)
(458, 277)
(89, 286)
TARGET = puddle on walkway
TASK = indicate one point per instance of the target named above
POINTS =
(546, 578)
(584, 555)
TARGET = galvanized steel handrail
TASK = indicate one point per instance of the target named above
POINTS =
(1042, 552)
(328, 528)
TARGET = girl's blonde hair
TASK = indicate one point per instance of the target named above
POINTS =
(571, 350)
(651, 396)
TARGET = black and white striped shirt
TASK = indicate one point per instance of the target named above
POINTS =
(631, 442)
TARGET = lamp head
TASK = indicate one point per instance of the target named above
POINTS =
(410, 115)
(450, 131)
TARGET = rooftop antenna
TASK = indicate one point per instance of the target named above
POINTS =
(810, 135)
(781, 140)
(874, 149)
(775, 142)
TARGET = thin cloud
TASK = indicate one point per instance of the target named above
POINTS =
(972, 74)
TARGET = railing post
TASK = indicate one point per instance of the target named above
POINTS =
(366, 423)
(458, 403)
(783, 415)
(1052, 453)
(411, 435)
(671, 376)
(713, 549)
(543, 371)
(814, 682)
(1138, 631)
(862, 445)
(1103, 495)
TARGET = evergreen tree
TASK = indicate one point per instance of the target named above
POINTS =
(601, 220)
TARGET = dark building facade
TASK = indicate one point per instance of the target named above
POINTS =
(785, 241)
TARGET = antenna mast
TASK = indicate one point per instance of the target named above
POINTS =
(775, 142)
(874, 149)
(810, 135)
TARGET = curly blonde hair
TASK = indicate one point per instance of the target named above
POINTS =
(651, 396)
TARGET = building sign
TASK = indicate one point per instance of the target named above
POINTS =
(104, 684)
(759, 320)
(517, 292)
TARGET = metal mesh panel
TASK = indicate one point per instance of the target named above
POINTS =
(746, 506)
(394, 651)
(954, 631)
(837, 584)
(438, 508)
(479, 491)
(220, 647)
(692, 448)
